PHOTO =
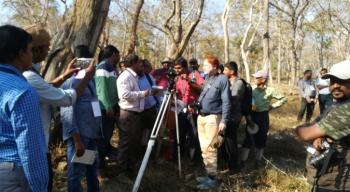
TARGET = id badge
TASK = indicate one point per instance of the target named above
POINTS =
(96, 108)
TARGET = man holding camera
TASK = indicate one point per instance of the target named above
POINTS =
(49, 92)
(188, 86)
(332, 172)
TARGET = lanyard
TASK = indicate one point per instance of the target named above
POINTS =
(210, 83)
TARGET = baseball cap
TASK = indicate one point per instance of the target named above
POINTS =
(167, 60)
(261, 74)
(340, 70)
(39, 34)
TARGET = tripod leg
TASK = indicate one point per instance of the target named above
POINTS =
(161, 134)
(177, 136)
(154, 134)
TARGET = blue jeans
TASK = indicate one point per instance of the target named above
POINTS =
(12, 178)
(76, 171)
(324, 101)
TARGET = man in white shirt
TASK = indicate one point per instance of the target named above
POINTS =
(324, 95)
(49, 93)
(131, 103)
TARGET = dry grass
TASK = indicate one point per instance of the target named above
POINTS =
(284, 173)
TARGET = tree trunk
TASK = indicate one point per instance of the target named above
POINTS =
(85, 25)
(266, 44)
(279, 58)
(245, 49)
(224, 19)
(135, 21)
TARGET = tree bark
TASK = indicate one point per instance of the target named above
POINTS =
(85, 25)
(224, 19)
(266, 43)
(135, 21)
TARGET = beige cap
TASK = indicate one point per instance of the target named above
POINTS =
(39, 34)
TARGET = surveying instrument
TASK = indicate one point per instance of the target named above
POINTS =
(157, 126)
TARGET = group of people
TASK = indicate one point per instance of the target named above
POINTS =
(127, 94)
(312, 92)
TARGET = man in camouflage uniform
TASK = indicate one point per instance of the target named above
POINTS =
(334, 125)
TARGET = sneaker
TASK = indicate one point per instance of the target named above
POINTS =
(207, 184)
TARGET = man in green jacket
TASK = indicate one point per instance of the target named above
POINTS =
(106, 87)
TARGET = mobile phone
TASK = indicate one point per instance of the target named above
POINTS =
(83, 63)
(157, 87)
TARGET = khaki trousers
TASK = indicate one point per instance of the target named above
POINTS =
(207, 129)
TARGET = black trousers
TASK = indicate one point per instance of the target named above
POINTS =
(189, 136)
(104, 145)
(130, 133)
(308, 107)
(229, 151)
(259, 139)
(51, 174)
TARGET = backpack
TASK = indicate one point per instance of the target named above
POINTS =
(246, 105)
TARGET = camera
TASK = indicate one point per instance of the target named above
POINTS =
(171, 74)
(83, 63)
(317, 159)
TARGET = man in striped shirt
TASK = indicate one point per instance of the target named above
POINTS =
(106, 87)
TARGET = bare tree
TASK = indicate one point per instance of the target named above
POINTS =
(248, 39)
(294, 10)
(178, 34)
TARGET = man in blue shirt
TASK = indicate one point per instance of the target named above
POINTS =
(149, 115)
(23, 162)
(214, 113)
(82, 127)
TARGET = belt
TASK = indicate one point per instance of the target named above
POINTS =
(129, 111)
(206, 114)
(7, 165)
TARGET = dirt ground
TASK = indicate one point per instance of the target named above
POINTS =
(284, 155)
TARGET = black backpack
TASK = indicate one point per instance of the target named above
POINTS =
(246, 105)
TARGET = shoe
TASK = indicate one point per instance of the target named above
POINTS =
(207, 184)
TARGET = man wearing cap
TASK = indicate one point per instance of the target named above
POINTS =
(261, 105)
(334, 127)
(49, 93)
(160, 75)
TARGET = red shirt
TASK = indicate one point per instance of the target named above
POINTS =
(160, 75)
(184, 91)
